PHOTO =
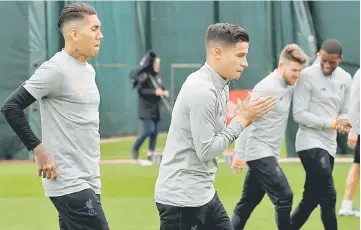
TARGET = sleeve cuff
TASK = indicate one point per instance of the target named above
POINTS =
(330, 124)
(31, 91)
(237, 126)
(239, 155)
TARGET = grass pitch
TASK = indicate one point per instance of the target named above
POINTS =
(128, 195)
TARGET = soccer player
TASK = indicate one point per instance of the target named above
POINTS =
(68, 155)
(353, 178)
(321, 98)
(260, 144)
(184, 192)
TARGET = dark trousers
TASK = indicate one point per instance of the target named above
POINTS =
(80, 211)
(264, 176)
(211, 216)
(150, 129)
(342, 147)
(319, 189)
(356, 158)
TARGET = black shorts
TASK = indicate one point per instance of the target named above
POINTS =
(211, 216)
(80, 210)
(356, 158)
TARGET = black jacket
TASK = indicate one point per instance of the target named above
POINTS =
(143, 77)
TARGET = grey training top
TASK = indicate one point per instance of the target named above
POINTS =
(318, 102)
(196, 136)
(354, 109)
(264, 137)
(69, 101)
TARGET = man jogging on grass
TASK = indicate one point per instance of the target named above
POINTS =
(260, 144)
(353, 178)
(321, 98)
(68, 155)
(184, 192)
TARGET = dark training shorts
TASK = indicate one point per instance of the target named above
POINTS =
(356, 158)
(211, 216)
(80, 211)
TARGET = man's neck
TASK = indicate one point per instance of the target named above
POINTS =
(282, 76)
(74, 52)
(214, 66)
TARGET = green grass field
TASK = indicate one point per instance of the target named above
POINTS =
(128, 195)
(121, 149)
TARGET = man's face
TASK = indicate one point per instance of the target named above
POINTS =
(329, 62)
(232, 59)
(89, 36)
(290, 71)
(156, 65)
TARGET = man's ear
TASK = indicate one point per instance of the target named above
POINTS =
(74, 34)
(341, 58)
(218, 52)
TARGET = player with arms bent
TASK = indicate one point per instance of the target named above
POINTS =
(260, 144)
(184, 192)
(320, 106)
(69, 154)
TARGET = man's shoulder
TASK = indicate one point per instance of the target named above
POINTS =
(198, 83)
(48, 69)
(357, 74)
(268, 83)
(356, 77)
(268, 79)
(63, 63)
(311, 70)
(52, 65)
(196, 90)
(90, 67)
(309, 73)
(342, 74)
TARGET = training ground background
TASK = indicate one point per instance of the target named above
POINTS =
(127, 193)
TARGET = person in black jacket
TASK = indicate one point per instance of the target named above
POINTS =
(147, 80)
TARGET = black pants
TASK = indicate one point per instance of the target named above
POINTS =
(80, 211)
(211, 216)
(264, 176)
(356, 158)
(342, 147)
(319, 189)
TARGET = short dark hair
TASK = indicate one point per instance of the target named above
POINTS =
(332, 46)
(75, 11)
(226, 32)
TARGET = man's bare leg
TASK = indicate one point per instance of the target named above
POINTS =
(352, 183)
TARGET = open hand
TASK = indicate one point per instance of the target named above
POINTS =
(351, 141)
(248, 111)
(238, 165)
